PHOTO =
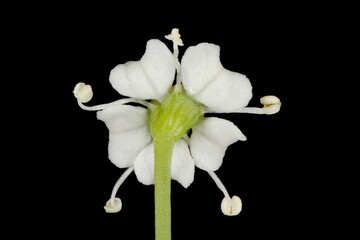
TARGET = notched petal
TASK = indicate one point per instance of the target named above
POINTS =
(182, 164)
(209, 141)
(150, 77)
(128, 132)
(144, 165)
(228, 92)
(205, 79)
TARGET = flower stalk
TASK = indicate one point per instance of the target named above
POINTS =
(163, 153)
(168, 122)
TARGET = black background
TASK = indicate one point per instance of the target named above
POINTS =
(66, 178)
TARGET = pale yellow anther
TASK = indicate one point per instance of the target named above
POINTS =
(113, 205)
(231, 206)
(175, 37)
(83, 92)
(272, 102)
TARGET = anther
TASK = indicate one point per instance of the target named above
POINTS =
(231, 206)
(83, 92)
(175, 37)
(113, 205)
(269, 101)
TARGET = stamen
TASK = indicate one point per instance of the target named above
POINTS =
(83, 93)
(174, 36)
(271, 104)
(229, 206)
(114, 204)
(118, 102)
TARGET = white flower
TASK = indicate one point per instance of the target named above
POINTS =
(206, 81)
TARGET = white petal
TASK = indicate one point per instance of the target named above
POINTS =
(182, 165)
(205, 79)
(144, 165)
(128, 132)
(209, 141)
(149, 78)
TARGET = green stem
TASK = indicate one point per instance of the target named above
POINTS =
(163, 152)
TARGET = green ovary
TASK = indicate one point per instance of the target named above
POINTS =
(168, 122)
(174, 116)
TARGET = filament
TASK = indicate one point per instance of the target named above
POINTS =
(118, 102)
(119, 182)
(219, 184)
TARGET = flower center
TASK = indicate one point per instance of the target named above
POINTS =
(174, 116)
